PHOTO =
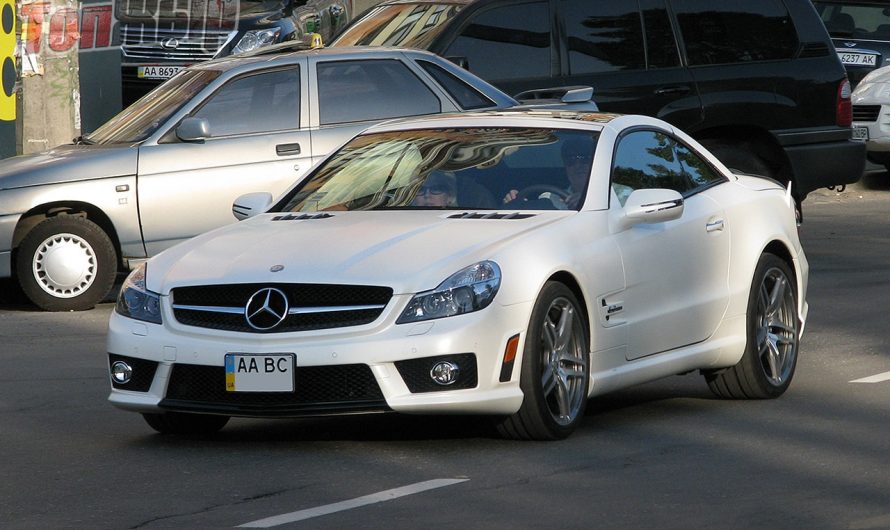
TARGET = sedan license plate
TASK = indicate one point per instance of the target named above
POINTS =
(861, 59)
(860, 133)
(247, 372)
(157, 72)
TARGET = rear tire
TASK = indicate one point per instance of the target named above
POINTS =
(66, 263)
(773, 329)
(740, 158)
(555, 371)
(183, 423)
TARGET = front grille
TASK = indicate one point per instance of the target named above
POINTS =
(867, 113)
(416, 373)
(143, 373)
(317, 390)
(147, 41)
(327, 303)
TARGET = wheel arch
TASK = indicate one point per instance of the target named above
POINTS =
(568, 279)
(37, 214)
(760, 141)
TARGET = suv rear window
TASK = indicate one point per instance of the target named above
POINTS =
(734, 31)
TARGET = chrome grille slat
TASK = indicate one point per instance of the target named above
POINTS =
(144, 42)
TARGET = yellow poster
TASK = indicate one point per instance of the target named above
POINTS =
(7, 59)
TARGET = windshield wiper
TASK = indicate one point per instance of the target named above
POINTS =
(83, 140)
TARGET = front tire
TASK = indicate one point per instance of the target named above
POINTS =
(184, 423)
(555, 371)
(767, 366)
(66, 263)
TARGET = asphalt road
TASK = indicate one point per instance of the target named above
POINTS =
(661, 455)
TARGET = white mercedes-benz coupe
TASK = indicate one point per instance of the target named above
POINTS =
(511, 264)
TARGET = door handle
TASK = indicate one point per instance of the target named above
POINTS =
(715, 226)
(678, 89)
(287, 149)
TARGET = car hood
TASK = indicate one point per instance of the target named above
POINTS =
(410, 251)
(67, 163)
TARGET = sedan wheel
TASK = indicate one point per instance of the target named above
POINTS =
(555, 369)
(66, 263)
(770, 357)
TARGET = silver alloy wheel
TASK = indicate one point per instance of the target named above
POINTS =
(64, 265)
(563, 362)
(776, 332)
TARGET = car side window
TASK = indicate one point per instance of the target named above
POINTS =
(661, 43)
(351, 91)
(735, 31)
(652, 159)
(698, 172)
(465, 95)
(603, 36)
(263, 102)
(508, 42)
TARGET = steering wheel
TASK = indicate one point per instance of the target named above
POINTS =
(535, 192)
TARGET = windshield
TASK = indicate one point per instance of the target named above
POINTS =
(141, 119)
(451, 169)
(408, 25)
(859, 21)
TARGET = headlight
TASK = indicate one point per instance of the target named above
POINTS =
(256, 38)
(135, 301)
(467, 290)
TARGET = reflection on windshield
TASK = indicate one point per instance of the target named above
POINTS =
(466, 168)
(408, 25)
(141, 119)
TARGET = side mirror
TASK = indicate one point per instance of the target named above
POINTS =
(193, 130)
(251, 204)
(652, 206)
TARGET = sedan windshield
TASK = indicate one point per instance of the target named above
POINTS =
(408, 25)
(466, 168)
(141, 119)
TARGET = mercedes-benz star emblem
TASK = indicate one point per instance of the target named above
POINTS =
(266, 309)
(170, 44)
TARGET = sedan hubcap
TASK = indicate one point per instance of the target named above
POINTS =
(64, 265)
(564, 367)
(776, 327)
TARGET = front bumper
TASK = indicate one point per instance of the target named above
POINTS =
(371, 355)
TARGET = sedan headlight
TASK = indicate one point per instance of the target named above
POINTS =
(137, 302)
(465, 291)
(256, 38)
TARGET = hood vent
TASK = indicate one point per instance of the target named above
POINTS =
(302, 217)
(492, 215)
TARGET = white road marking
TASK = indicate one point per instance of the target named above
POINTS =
(874, 378)
(382, 496)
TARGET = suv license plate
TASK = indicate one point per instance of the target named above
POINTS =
(863, 59)
(247, 372)
(157, 72)
(860, 133)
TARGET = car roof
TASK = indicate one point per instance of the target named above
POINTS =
(513, 118)
(289, 57)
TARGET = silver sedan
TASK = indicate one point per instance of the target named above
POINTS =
(169, 166)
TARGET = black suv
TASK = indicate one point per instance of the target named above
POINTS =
(861, 33)
(756, 81)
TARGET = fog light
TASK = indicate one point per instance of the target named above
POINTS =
(121, 372)
(445, 373)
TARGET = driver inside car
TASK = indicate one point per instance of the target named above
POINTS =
(577, 159)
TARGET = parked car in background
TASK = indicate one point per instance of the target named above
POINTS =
(502, 263)
(168, 167)
(159, 39)
(871, 109)
(758, 82)
(860, 30)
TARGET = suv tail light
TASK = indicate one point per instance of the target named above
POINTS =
(844, 112)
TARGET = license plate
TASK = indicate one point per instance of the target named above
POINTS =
(860, 133)
(862, 59)
(247, 372)
(157, 72)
